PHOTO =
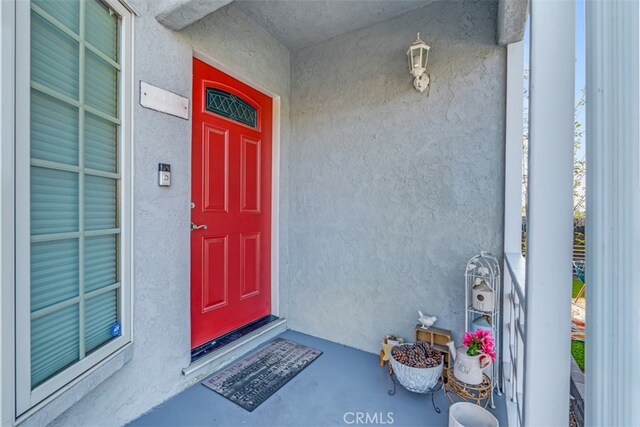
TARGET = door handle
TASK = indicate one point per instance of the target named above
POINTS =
(198, 227)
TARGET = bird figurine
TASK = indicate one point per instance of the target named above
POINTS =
(426, 321)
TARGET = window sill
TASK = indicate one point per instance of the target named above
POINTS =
(56, 404)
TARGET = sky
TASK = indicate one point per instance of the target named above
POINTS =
(580, 63)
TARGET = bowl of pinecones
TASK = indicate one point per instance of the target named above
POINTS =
(418, 367)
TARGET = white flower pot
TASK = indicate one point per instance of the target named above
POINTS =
(465, 414)
(468, 369)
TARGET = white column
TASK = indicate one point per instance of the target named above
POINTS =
(550, 210)
(613, 214)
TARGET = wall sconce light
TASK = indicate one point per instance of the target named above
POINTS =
(418, 55)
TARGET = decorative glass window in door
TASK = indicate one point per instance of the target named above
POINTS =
(231, 106)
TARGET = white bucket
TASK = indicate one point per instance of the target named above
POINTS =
(465, 414)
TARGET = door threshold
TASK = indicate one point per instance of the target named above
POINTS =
(214, 359)
(230, 337)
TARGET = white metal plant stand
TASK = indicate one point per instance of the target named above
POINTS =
(483, 272)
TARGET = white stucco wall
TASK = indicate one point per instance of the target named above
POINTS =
(161, 291)
(385, 193)
(392, 191)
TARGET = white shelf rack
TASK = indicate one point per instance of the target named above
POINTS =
(485, 266)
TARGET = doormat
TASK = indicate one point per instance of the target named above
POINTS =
(254, 378)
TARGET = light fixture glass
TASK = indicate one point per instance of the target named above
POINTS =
(418, 56)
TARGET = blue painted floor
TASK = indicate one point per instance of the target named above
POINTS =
(337, 386)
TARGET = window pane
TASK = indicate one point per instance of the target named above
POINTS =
(102, 28)
(100, 142)
(100, 262)
(54, 201)
(62, 131)
(100, 202)
(54, 57)
(54, 129)
(101, 314)
(54, 343)
(100, 84)
(65, 11)
(54, 272)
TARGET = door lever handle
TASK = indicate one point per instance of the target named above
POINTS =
(198, 227)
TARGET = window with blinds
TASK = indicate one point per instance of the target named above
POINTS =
(75, 185)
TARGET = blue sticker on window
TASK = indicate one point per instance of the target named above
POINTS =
(116, 329)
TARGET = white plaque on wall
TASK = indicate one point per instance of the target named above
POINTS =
(163, 101)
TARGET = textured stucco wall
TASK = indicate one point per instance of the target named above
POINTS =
(511, 21)
(392, 191)
(161, 289)
(385, 193)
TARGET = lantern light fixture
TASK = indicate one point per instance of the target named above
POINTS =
(418, 55)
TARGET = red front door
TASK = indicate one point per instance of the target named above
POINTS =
(231, 210)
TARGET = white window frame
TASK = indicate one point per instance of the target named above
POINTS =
(26, 398)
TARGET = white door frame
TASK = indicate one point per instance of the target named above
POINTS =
(275, 173)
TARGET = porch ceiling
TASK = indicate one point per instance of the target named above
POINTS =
(297, 24)
(300, 23)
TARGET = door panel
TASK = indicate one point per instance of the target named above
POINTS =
(250, 175)
(215, 275)
(215, 165)
(249, 265)
(231, 193)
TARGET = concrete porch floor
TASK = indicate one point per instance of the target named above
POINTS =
(342, 380)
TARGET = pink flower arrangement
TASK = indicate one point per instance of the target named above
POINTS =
(479, 342)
